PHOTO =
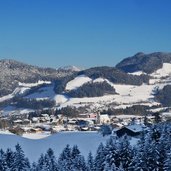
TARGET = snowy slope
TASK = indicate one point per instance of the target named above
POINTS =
(46, 92)
(163, 72)
(77, 82)
(137, 73)
(40, 82)
(127, 95)
(86, 141)
(59, 99)
(23, 88)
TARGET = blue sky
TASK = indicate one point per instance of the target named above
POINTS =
(84, 33)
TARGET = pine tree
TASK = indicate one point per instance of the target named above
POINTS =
(78, 161)
(34, 167)
(78, 164)
(40, 163)
(99, 161)
(145, 158)
(49, 162)
(75, 151)
(20, 162)
(167, 163)
(110, 168)
(65, 159)
(9, 158)
(3, 164)
(90, 162)
(125, 152)
(112, 154)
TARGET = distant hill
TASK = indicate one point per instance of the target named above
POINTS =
(12, 72)
(112, 74)
(143, 79)
(147, 63)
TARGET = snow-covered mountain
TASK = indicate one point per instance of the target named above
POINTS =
(135, 80)
(71, 68)
(12, 72)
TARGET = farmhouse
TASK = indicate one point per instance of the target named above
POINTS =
(130, 130)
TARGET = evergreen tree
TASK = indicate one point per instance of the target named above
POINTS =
(112, 153)
(78, 164)
(90, 162)
(34, 167)
(167, 163)
(9, 158)
(3, 164)
(49, 162)
(75, 151)
(20, 162)
(65, 160)
(110, 168)
(145, 157)
(161, 152)
(125, 152)
(99, 161)
(78, 161)
(40, 163)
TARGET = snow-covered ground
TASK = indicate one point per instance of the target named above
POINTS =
(137, 73)
(163, 72)
(77, 82)
(86, 141)
(126, 95)
(40, 82)
(60, 99)
(23, 87)
(36, 136)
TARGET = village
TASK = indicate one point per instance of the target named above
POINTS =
(44, 124)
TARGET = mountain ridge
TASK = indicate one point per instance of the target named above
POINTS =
(147, 63)
(104, 85)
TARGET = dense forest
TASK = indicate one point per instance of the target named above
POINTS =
(151, 153)
(92, 90)
(164, 95)
(33, 103)
(132, 110)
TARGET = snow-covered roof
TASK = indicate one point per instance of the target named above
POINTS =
(35, 119)
(18, 121)
(136, 127)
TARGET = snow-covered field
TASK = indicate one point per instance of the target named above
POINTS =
(86, 141)
(23, 87)
(40, 82)
(77, 82)
(163, 72)
(127, 95)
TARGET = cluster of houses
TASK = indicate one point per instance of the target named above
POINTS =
(84, 122)
(131, 125)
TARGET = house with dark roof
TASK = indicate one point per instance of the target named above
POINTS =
(130, 130)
